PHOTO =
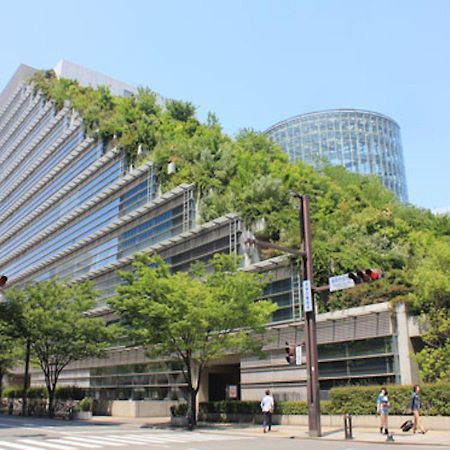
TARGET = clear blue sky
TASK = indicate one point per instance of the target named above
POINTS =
(255, 63)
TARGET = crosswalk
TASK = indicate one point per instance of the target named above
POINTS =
(112, 441)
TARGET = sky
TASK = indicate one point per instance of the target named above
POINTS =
(254, 63)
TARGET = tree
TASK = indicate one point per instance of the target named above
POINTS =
(53, 317)
(9, 353)
(434, 358)
(192, 317)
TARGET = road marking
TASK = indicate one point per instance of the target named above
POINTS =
(46, 444)
(79, 444)
(93, 440)
(20, 446)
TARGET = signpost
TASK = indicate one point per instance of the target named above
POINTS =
(340, 282)
(298, 355)
(307, 296)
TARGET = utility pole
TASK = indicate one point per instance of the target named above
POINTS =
(307, 273)
(312, 364)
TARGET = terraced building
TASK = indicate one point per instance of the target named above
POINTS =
(71, 207)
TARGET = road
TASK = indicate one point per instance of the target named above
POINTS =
(43, 434)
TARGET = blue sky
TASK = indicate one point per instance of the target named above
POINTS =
(255, 63)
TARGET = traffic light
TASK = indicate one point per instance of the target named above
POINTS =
(365, 276)
(3, 280)
(290, 353)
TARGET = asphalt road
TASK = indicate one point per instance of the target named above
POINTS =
(43, 434)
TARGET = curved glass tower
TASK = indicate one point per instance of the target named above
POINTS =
(362, 141)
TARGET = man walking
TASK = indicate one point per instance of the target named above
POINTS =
(267, 406)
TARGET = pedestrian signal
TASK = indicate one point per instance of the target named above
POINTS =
(290, 353)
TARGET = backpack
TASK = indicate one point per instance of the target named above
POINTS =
(406, 426)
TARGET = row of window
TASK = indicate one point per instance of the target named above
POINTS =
(88, 225)
(23, 149)
(17, 105)
(106, 178)
(22, 124)
(134, 240)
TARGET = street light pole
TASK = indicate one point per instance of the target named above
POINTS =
(312, 365)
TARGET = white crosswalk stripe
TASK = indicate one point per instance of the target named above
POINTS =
(83, 441)
(91, 440)
(46, 444)
(20, 446)
(78, 444)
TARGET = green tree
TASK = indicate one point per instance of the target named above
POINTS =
(9, 352)
(53, 317)
(192, 317)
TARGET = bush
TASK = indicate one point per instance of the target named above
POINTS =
(36, 392)
(12, 392)
(86, 404)
(69, 393)
(179, 410)
(362, 399)
(292, 407)
(355, 400)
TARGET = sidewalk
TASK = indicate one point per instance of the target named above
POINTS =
(431, 438)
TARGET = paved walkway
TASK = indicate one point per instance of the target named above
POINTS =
(431, 438)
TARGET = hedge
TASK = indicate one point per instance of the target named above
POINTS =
(62, 393)
(239, 407)
(355, 400)
(362, 399)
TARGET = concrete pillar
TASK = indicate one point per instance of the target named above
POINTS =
(404, 346)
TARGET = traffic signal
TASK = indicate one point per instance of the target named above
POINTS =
(365, 276)
(290, 353)
(3, 280)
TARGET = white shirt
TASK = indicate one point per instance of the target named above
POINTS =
(267, 403)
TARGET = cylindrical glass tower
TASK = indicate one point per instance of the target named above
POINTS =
(362, 141)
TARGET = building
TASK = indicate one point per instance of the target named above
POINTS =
(362, 141)
(71, 207)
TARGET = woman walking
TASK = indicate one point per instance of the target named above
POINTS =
(415, 406)
(383, 410)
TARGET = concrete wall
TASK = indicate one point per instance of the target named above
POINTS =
(429, 422)
(139, 408)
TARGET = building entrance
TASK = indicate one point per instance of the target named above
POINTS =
(224, 382)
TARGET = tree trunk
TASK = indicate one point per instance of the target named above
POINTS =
(1, 383)
(25, 377)
(51, 403)
(192, 408)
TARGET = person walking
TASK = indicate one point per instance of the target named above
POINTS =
(383, 410)
(267, 407)
(415, 406)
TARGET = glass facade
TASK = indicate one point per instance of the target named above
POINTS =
(362, 141)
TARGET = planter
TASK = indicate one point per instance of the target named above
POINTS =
(180, 421)
(82, 415)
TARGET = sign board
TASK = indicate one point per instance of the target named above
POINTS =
(307, 296)
(340, 282)
(298, 355)
(232, 391)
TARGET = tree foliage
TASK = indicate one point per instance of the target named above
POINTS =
(192, 317)
(10, 350)
(53, 317)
